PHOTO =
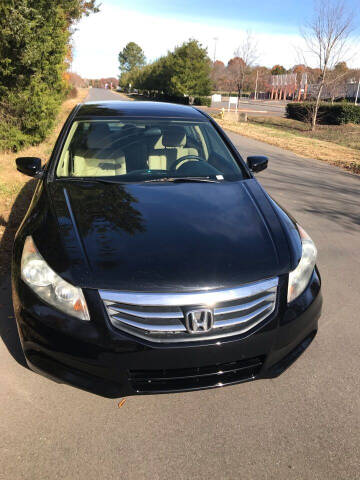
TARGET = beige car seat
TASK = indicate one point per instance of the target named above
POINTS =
(171, 146)
(99, 158)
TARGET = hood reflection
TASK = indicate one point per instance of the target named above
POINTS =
(101, 212)
(170, 237)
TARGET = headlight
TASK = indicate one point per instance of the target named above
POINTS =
(49, 286)
(300, 277)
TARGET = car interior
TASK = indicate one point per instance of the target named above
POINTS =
(105, 148)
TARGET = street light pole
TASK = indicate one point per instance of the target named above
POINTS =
(357, 91)
(256, 84)
(215, 40)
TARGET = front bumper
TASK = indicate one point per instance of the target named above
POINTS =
(98, 358)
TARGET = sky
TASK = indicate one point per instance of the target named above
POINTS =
(160, 25)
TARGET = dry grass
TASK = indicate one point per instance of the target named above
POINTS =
(16, 189)
(346, 135)
(292, 137)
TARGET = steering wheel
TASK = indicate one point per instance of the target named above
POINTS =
(180, 161)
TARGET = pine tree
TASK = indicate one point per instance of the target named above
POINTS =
(131, 57)
(34, 44)
(190, 69)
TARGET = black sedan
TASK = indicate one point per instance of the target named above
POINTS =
(151, 260)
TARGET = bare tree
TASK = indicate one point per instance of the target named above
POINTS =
(245, 56)
(326, 37)
(336, 81)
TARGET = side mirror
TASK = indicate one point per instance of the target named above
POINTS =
(29, 166)
(257, 163)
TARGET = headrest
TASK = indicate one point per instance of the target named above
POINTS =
(152, 132)
(98, 136)
(174, 137)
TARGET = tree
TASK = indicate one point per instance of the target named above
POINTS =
(341, 68)
(299, 69)
(258, 80)
(335, 83)
(75, 80)
(278, 70)
(236, 71)
(183, 72)
(189, 67)
(34, 50)
(240, 66)
(326, 36)
(131, 57)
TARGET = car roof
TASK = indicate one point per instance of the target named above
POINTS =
(138, 109)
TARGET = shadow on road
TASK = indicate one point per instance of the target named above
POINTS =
(8, 329)
(303, 185)
(333, 197)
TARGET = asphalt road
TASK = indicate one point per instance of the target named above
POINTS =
(303, 425)
(262, 108)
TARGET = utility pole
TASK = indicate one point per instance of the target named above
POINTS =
(256, 84)
(357, 91)
(215, 42)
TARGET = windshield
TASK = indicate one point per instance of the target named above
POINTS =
(145, 150)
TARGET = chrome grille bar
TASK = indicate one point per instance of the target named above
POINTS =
(244, 306)
(145, 314)
(243, 319)
(159, 317)
(150, 328)
(205, 297)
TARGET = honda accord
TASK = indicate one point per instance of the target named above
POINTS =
(151, 259)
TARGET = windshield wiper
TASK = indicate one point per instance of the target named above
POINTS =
(183, 179)
(89, 179)
(163, 179)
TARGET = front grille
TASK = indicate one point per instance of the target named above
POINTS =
(159, 317)
(172, 380)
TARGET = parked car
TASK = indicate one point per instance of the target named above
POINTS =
(152, 260)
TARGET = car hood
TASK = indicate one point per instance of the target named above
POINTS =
(164, 236)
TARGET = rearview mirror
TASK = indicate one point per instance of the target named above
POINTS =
(257, 163)
(29, 166)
